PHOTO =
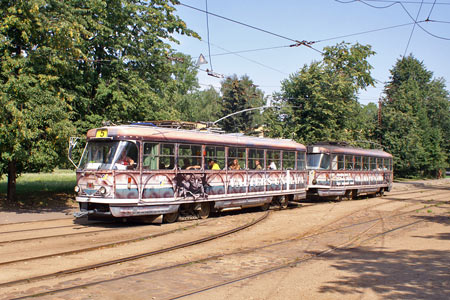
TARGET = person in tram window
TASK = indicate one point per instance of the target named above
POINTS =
(187, 166)
(235, 165)
(258, 165)
(213, 165)
(272, 166)
(125, 159)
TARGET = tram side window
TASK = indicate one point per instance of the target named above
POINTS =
(159, 156)
(216, 154)
(236, 158)
(151, 159)
(301, 160)
(288, 160)
(373, 163)
(256, 159)
(379, 164)
(348, 162)
(340, 162)
(358, 162)
(190, 157)
(366, 163)
(273, 159)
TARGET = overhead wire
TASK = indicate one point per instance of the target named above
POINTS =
(412, 31)
(401, 3)
(207, 31)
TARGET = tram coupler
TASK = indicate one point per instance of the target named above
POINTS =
(84, 213)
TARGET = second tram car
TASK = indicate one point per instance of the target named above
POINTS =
(338, 170)
(141, 170)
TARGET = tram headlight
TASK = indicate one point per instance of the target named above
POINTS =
(102, 190)
(314, 181)
(76, 189)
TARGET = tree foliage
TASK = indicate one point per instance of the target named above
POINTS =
(323, 96)
(416, 119)
(239, 94)
(66, 63)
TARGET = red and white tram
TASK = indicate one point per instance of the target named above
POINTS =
(336, 169)
(142, 170)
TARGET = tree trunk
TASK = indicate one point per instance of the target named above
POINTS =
(12, 175)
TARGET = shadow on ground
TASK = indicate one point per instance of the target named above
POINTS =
(400, 274)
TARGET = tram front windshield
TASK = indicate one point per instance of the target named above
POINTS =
(109, 155)
(320, 161)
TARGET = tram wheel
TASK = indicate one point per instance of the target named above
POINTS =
(171, 218)
(265, 207)
(204, 211)
(284, 202)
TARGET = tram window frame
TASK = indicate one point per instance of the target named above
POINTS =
(366, 163)
(271, 156)
(301, 160)
(349, 162)
(373, 163)
(160, 157)
(358, 163)
(341, 161)
(238, 153)
(255, 154)
(213, 152)
(288, 160)
(188, 159)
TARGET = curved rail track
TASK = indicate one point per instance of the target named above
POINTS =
(371, 223)
(138, 256)
(312, 233)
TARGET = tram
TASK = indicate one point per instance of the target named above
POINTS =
(142, 170)
(338, 170)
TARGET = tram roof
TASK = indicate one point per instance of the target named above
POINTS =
(160, 134)
(335, 149)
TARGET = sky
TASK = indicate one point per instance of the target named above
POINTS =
(263, 52)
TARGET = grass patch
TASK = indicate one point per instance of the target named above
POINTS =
(41, 190)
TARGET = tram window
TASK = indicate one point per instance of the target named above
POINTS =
(373, 163)
(151, 159)
(348, 162)
(340, 160)
(159, 156)
(358, 161)
(236, 158)
(365, 163)
(288, 160)
(215, 153)
(301, 160)
(189, 157)
(334, 162)
(256, 159)
(273, 159)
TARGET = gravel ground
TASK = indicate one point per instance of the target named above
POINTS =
(406, 264)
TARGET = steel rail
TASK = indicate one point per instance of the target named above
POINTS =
(106, 245)
(135, 257)
(236, 252)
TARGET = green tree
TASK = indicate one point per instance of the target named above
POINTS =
(128, 71)
(323, 95)
(200, 106)
(239, 94)
(37, 38)
(415, 119)
(84, 61)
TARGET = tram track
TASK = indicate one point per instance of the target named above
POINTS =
(379, 220)
(135, 257)
(372, 223)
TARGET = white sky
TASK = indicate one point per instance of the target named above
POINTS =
(326, 21)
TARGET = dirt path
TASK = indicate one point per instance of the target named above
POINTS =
(411, 261)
